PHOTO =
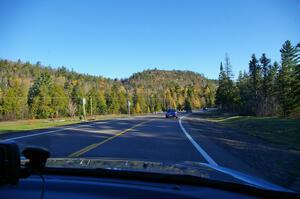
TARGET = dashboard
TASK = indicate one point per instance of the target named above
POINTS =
(57, 186)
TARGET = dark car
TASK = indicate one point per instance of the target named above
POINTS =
(171, 113)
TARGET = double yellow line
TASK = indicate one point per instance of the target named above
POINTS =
(92, 146)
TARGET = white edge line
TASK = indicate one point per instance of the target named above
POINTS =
(53, 131)
(248, 178)
(199, 148)
(57, 130)
(42, 133)
(238, 175)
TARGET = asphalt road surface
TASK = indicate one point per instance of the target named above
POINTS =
(145, 137)
(152, 138)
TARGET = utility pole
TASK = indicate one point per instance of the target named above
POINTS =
(91, 106)
(128, 105)
(128, 102)
(83, 107)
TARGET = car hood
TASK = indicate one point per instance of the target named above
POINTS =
(202, 170)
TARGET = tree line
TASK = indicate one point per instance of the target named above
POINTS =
(34, 91)
(267, 89)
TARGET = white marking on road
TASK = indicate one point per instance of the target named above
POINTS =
(86, 124)
(197, 146)
(236, 174)
(248, 178)
(42, 133)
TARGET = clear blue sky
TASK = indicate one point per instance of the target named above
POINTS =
(115, 38)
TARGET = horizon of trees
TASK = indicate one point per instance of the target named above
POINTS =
(267, 89)
(33, 91)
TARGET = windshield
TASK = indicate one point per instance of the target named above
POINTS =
(202, 84)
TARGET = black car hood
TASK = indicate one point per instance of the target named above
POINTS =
(202, 170)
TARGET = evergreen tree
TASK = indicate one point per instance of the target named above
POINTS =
(77, 95)
(39, 97)
(122, 100)
(220, 94)
(113, 103)
(286, 77)
(59, 101)
(157, 104)
(243, 85)
(228, 67)
(226, 91)
(266, 82)
(187, 104)
(92, 101)
(255, 84)
(14, 101)
(139, 101)
(272, 106)
(296, 83)
(101, 103)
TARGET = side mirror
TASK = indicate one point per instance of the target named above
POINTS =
(9, 163)
(37, 158)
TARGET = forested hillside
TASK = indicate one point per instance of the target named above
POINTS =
(33, 91)
(266, 89)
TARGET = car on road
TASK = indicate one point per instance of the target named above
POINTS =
(171, 113)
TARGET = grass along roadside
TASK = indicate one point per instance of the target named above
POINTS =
(26, 125)
(276, 130)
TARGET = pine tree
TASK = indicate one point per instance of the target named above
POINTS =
(59, 100)
(272, 107)
(255, 81)
(287, 77)
(101, 103)
(92, 101)
(187, 104)
(77, 95)
(228, 67)
(226, 91)
(14, 101)
(266, 82)
(139, 100)
(243, 85)
(122, 99)
(39, 97)
(220, 94)
(113, 103)
(296, 83)
(157, 104)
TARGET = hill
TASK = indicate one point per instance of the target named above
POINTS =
(155, 77)
(34, 91)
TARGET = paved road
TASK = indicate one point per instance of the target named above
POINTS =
(145, 138)
(152, 138)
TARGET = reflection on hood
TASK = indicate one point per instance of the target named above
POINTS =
(201, 170)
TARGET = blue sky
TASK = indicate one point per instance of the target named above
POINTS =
(115, 38)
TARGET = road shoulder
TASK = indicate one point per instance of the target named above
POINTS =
(243, 152)
(219, 154)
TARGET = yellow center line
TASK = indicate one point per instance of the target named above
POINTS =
(92, 146)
